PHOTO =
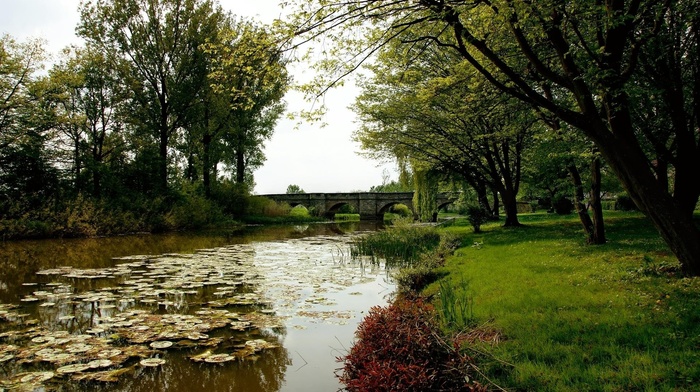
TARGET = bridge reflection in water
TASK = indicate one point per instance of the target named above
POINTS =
(370, 205)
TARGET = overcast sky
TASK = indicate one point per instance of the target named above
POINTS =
(318, 159)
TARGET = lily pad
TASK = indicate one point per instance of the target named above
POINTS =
(161, 344)
(152, 362)
(36, 377)
(219, 358)
(99, 363)
(74, 368)
(109, 353)
(78, 348)
(201, 357)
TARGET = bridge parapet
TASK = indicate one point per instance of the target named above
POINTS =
(370, 205)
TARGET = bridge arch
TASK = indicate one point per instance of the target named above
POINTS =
(335, 206)
(444, 205)
(387, 208)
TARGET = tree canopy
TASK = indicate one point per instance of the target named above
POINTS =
(577, 64)
(167, 101)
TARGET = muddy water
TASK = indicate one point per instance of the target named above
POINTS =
(260, 309)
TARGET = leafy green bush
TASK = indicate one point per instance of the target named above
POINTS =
(477, 216)
(262, 206)
(346, 209)
(194, 211)
(231, 197)
(299, 210)
(608, 205)
(401, 210)
(625, 203)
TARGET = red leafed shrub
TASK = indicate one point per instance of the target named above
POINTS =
(400, 349)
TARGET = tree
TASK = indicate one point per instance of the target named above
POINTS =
(156, 46)
(294, 189)
(249, 78)
(27, 178)
(88, 99)
(426, 111)
(574, 61)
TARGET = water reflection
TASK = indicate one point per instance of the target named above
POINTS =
(290, 287)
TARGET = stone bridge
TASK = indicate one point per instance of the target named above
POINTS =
(370, 205)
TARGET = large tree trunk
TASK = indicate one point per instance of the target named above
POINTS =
(482, 196)
(510, 205)
(627, 160)
(163, 161)
(77, 163)
(164, 133)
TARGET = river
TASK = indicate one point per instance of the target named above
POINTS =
(255, 309)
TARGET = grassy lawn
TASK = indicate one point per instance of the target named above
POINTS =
(574, 317)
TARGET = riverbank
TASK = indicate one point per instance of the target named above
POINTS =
(575, 317)
(88, 218)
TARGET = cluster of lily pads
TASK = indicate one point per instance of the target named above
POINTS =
(97, 324)
(139, 308)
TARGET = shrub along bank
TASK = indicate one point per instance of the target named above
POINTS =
(535, 308)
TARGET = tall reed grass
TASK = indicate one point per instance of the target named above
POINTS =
(401, 245)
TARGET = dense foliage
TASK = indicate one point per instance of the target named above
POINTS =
(620, 76)
(157, 122)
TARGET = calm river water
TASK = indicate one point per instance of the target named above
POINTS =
(259, 309)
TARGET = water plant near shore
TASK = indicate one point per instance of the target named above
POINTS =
(401, 245)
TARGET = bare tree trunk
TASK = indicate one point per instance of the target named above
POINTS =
(578, 203)
(496, 205)
(206, 164)
(596, 204)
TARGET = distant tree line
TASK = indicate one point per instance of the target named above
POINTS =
(158, 121)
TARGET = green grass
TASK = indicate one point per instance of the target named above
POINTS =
(575, 317)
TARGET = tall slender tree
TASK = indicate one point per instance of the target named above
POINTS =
(157, 47)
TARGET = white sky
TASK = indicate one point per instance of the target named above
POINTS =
(318, 159)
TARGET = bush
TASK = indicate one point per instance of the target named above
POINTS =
(262, 206)
(625, 203)
(299, 210)
(231, 197)
(399, 349)
(563, 206)
(401, 210)
(346, 209)
(194, 211)
(477, 216)
(608, 205)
